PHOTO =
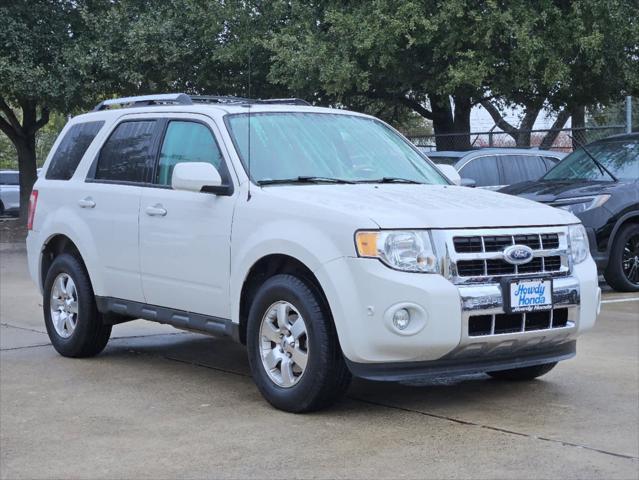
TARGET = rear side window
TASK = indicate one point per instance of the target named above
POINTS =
(127, 156)
(9, 178)
(483, 170)
(521, 168)
(187, 142)
(72, 148)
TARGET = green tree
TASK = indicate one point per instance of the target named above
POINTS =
(38, 74)
(564, 56)
(442, 57)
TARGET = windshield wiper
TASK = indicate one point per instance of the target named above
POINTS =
(302, 179)
(601, 166)
(391, 180)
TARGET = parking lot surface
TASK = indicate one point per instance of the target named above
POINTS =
(161, 403)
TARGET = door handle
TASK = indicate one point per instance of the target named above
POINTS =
(86, 202)
(156, 210)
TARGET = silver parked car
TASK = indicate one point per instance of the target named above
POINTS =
(494, 168)
(9, 192)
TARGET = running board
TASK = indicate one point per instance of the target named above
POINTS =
(176, 318)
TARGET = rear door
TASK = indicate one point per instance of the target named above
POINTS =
(185, 236)
(110, 203)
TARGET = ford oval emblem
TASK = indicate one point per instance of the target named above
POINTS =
(518, 254)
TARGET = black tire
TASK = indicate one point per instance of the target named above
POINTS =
(326, 376)
(523, 374)
(1, 208)
(614, 274)
(90, 335)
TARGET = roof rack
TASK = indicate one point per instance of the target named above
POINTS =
(184, 99)
(146, 100)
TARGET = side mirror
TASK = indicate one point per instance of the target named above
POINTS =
(468, 182)
(451, 173)
(198, 177)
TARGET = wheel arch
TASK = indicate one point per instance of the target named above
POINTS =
(630, 217)
(267, 267)
(54, 246)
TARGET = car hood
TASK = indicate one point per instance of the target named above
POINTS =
(422, 206)
(549, 191)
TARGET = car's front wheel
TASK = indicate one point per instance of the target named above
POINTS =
(74, 325)
(622, 272)
(294, 354)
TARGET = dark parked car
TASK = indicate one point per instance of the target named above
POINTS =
(599, 184)
(494, 168)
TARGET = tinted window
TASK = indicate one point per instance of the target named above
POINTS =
(550, 162)
(127, 156)
(9, 178)
(186, 142)
(483, 170)
(520, 168)
(71, 150)
(443, 160)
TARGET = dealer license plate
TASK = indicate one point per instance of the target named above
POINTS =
(530, 295)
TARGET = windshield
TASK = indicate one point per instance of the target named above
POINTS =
(326, 146)
(621, 158)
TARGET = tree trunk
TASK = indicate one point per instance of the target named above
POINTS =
(28, 171)
(551, 136)
(452, 131)
(23, 137)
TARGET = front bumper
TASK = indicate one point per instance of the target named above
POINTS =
(362, 292)
(447, 367)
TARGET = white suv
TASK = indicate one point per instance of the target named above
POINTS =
(322, 239)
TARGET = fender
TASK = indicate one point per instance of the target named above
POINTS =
(625, 217)
(267, 240)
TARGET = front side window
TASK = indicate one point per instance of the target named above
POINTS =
(521, 168)
(345, 147)
(620, 157)
(127, 156)
(72, 148)
(483, 170)
(186, 142)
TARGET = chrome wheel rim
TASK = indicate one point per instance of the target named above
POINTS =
(630, 259)
(283, 344)
(64, 305)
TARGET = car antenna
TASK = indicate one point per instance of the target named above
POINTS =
(600, 165)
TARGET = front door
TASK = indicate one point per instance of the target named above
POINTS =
(185, 236)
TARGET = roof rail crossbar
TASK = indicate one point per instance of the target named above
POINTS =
(144, 100)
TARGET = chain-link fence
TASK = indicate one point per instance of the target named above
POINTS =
(565, 140)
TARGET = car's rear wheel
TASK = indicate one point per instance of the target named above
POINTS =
(622, 272)
(523, 374)
(294, 354)
(74, 325)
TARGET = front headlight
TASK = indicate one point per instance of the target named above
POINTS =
(406, 250)
(578, 243)
(581, 204)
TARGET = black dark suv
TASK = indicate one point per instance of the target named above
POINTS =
(600, 184)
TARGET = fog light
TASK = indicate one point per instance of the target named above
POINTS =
(401, 319)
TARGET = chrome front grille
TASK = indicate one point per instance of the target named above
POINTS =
(476, 256)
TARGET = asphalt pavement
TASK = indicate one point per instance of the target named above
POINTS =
(161, 403)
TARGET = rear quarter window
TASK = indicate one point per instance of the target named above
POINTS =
(72, 148)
